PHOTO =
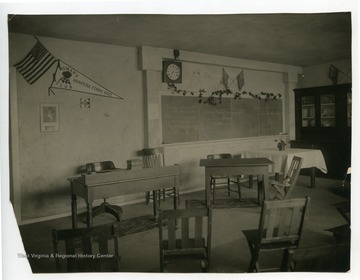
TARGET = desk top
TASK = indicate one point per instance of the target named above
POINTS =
(230, 162)
(124, 175)
(282, 159)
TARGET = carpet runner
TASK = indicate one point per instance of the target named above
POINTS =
(224, 203)
(137, 224)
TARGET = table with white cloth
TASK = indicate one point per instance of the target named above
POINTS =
(313, 159)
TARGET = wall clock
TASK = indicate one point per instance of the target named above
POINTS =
(172, 71)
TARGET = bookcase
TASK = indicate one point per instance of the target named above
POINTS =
(323, 121)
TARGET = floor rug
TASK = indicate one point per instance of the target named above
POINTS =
(224, 203)
(137, 224)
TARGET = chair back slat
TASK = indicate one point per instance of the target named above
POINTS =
(99, 166)
(284, 218)
(271, 223)
(85, 242)
(86, 245)
(219, 156)
(282, 221)
(284, 191)
(185, 232)
(153, 157)
(294, 169)
(172, 234)
(198, 231)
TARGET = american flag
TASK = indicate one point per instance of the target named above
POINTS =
(36, 63)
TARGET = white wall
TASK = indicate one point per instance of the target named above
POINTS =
(205, 71)
(113, 129)
(317, 75)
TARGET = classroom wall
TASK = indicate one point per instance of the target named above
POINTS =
(113, 129)
(318, 75)
(205, 71)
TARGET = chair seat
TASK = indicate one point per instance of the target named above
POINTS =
(252, 237)
(180, 247)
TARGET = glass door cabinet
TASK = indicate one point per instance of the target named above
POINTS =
(323, 120)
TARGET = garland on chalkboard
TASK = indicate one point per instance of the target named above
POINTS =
(216, 96)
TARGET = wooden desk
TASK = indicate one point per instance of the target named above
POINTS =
(282, 159)
(121, 182)
(235, 166)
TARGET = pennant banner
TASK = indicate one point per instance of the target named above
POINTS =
(35, 63)
(333, 74)
(67, 78)
(240, 80)
(225, 78)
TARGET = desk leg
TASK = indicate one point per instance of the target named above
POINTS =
(207, 190)
(89, 214)
(251, 181)
(74, 210)
(176, 198)
(265, 186)
(312, 177)
(260, 185)
(155, 203)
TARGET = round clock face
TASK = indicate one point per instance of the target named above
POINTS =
(173, 72)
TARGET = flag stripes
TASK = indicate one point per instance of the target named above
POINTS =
(36, 63)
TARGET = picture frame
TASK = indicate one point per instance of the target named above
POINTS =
(49, 117)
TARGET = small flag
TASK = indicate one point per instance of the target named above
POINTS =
(68, 78)
(240, 80)
(225, 79)
(36, 63)
(333, 74)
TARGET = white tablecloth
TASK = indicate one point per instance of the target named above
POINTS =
(282, 159)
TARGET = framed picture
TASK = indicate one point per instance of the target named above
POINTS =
(49, 117)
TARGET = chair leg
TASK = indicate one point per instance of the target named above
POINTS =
(238, 185)
(212, 188)
(164, 194)
(253, 266)
(228, 186)
(251, 181)
(286, 260)
(147, 198)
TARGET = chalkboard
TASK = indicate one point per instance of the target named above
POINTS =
(186, 120)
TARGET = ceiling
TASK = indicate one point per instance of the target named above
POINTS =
(295, 39)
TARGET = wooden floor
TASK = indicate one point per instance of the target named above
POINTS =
(319, 250)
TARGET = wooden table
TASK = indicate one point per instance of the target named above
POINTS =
(121, 182)
(282, 159)
(238, 166)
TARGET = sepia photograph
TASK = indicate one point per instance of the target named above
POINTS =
(220, 140)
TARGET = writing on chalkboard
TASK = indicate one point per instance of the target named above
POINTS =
(185, 120)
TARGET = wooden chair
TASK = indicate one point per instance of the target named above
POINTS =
(154, 157)
(284, 189)
(105, 207)
(224, 181)
(185, 233)
(94, 249)
(280, 228)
